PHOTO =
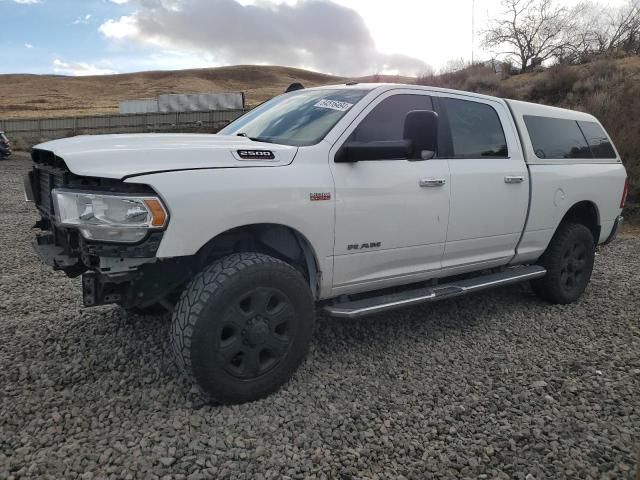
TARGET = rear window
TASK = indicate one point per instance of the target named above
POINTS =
(557, 138)
(596, 138)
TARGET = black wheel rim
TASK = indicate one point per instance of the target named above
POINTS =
(573, 267)
(255, 333)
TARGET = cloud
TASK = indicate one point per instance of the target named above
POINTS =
(28, 45)
(79, 69)
(125, 27)
(316, 34)
(119, 2)
(27, 2)
(84, 20)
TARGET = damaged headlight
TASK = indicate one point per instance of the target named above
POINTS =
(109, 217)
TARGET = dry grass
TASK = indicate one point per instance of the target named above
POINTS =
(24, 96)
(29, 96)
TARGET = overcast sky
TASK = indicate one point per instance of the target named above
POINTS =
(344, 37)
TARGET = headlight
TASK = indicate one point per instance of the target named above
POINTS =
(108, 217)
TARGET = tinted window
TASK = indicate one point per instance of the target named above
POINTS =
(386, 120)
(556, 138)
(475, 129)
(597, 139)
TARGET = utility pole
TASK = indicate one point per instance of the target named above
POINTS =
(473, 29)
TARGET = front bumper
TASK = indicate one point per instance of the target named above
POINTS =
(129, 275)
(130, 282)
(617, 226)
(126, 273)
(147, 285)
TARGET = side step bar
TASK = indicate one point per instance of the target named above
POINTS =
(382, 303)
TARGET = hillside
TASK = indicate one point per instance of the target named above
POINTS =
(28, 96)
(24, 96)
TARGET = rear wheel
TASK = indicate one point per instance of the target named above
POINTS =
(569, 262)
(242, 327)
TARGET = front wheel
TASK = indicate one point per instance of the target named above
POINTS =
(242, 327)
(569, 262)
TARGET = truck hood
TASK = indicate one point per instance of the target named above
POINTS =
(119, 156)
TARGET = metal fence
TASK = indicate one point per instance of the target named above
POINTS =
(52, 128)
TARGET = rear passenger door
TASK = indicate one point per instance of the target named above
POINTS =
(489, 183)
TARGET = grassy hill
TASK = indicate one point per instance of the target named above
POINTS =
(28, 96)
(23, 96)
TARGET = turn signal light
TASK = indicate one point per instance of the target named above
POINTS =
(159, 216)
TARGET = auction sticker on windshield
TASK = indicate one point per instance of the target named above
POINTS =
(334, 105)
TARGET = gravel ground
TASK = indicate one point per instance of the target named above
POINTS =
(500, 385)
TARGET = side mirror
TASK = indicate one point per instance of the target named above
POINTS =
(421, 128)
(364, 151)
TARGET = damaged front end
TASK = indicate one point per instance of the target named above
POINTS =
(106, 230)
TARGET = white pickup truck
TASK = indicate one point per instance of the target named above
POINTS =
(354, 199)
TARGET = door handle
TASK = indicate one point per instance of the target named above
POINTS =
(432, 182)
(514, 179)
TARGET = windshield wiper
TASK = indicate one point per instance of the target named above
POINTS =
(261, 139)
(255, 139)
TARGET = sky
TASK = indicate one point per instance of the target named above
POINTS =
(342, 37)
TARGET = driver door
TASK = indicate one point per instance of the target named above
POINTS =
(391, 215)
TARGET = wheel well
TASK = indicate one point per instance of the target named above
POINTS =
(585, 213)
(279, 241)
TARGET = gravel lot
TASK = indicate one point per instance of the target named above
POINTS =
(500, 385)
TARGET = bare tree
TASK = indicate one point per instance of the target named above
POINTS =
(600, 30)
(620, 29)
(530, 31)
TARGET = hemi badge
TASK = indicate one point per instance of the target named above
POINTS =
(315, 197)
(256, 154)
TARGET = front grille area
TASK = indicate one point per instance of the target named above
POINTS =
(50, 171)
(46, 179)
(73, 253)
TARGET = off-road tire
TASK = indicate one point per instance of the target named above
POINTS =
(213, 311)
(569, 262)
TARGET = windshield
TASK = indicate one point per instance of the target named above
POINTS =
(3, 137)
(298, 118)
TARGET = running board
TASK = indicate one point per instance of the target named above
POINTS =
(369, 306)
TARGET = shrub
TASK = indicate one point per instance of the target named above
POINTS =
(601, 74)
(553, 85)
(474, 78)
